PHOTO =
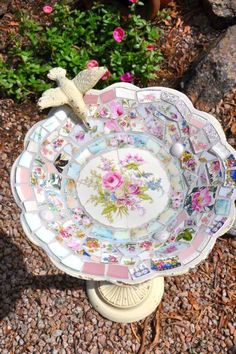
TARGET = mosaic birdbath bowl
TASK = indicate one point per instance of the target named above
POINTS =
(143, 194)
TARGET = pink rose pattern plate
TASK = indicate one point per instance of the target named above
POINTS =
(112, 202)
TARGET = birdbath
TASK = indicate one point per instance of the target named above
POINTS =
(138, 192)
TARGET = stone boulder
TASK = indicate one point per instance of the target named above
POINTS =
(214, 75)
(4, 6)
(221, 12)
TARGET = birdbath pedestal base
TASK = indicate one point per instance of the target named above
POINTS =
(125, 303)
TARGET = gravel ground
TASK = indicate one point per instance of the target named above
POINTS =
(45, 311)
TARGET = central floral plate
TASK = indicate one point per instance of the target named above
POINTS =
(118, 202)
(118, 187)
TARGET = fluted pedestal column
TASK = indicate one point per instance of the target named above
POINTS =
(125, 303)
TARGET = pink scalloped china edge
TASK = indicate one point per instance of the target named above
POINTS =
(112, 203)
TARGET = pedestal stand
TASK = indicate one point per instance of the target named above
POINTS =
(125, 303)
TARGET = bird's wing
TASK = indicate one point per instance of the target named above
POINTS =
(52, 98)
(88, 78)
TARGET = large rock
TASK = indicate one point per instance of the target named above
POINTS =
(215, 74)
(221, 12)
(4, 6)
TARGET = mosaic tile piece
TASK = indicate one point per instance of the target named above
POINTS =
(200, 199)
(51, 124)
(44, 234)
(38, 134)
(190, 178)
(203, 178)
(169, 97)
(24, 192)
(231, 178)
(118, 271)
(214, 171)
(222, 207)
(168, 111)
(165, 264)
(145, 96)
(216, 225)
(22, 175)
(125, 93)
(199, 142)
(188, 161)
(197, 121)
(33, 221)
(211, 133)
(230, 162)
(30, 206)
(32, 146)
(221, 150)
(94, 268)
(139, 271)
(26, 159)
(72, 261)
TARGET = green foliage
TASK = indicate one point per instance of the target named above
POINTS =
(186, 235)
(72, 39)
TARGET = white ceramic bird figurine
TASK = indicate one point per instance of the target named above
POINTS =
(71, 92)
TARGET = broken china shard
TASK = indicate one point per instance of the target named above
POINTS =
(145, 192)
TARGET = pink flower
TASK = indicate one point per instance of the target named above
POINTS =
(45, 151)
(132, 159)
(127, 77)
(133, 189)
(113, 142)
(176, 204)
(118, 34)
(205, 220)
(106, 75)
(65, 232)
(47, 9)
(185, 130)
(80, 136)
(92, 64)
(174, 116)
(146, 244)
(133, 1)
(103, 112)
(150, 47)
(112, 180)
(112, 125)
(75, 245)
(117, 109)
(191, 163)
(122, 201)
(86, 221)
(170, 249)
(106, 164)
(38, 170)
(123, 123)
(172, 128)
(201, 199)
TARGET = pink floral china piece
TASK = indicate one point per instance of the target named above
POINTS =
(144, 192)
